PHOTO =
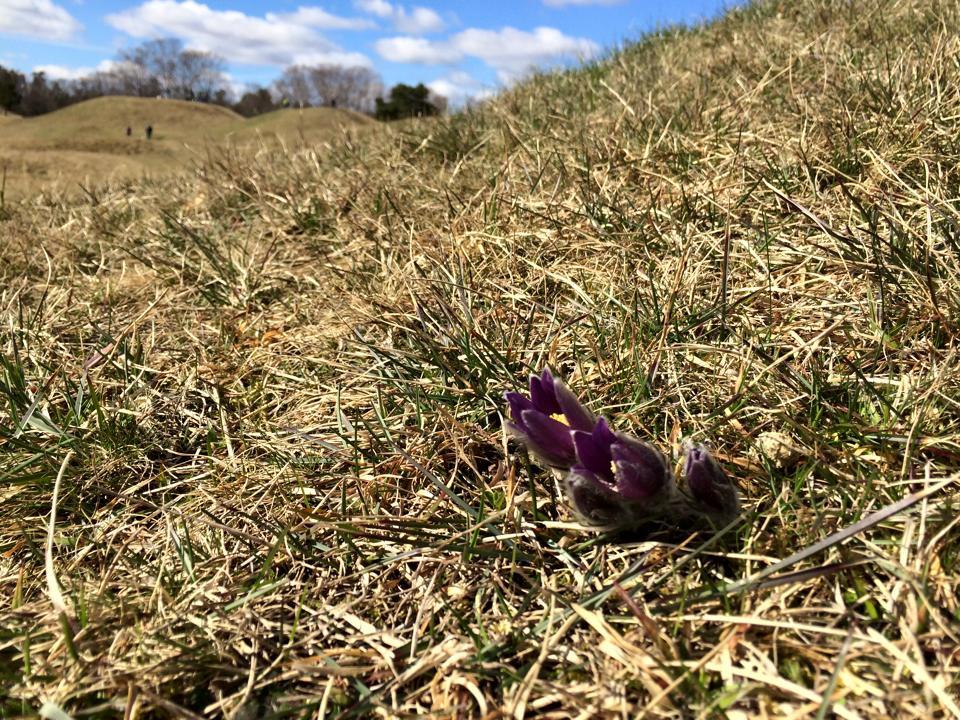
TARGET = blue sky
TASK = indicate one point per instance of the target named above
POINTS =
(461, 48)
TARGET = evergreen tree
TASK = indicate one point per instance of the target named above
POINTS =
(406, 101)
(11, 83)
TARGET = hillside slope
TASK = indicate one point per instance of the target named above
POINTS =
(87, 142)
(254, 422)
(102, 122)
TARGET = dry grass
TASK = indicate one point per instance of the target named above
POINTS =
(86, 144)
(271, 395)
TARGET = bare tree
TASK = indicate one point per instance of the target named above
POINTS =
(124, 78)
(294, 86)
(198, 75)
(354, 88)
(156, 58)
(183, 74)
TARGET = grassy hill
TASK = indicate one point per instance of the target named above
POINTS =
(87, 142)
(265, 400)
(293, 123)
(100, 124)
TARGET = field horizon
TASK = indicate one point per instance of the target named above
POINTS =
(256, 455)
(86, 143)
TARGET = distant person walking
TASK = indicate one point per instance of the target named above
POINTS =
(149, 131)
(129, 131)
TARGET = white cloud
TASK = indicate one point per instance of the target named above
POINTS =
(380, 8)
(37, 18)
(512, 52)
(417, 21)
(274, 39)
(61, 72)
(509, 51)
(459, 87)
(319, 18)
(417, 50)
(565, 3)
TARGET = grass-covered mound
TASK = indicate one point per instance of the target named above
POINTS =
(269, 399)
(102, 122)
(86, 144)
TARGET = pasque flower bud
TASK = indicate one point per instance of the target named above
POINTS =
(612, 478)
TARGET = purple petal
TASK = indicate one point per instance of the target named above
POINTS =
(602, 434)
(541, 393)
(518, 403)
(638, 482)
(629, 449)
(708, 483)
(700, 481)
(547, 379)
(696, 454)
(593, 453)
(549, 438)
(577, 415)
(593, 500)
(641, 471)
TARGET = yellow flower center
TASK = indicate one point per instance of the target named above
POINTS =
(559, 417)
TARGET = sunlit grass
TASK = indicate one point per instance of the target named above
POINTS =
(281, 378)
(86, 145)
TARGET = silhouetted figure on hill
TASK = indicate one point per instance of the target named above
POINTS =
(149, 131)
(129, 131)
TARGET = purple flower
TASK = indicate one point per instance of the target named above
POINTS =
(612, 478)
(631, 468)
(595, 502)
(712, 491)
(617, 479)
(544, 421)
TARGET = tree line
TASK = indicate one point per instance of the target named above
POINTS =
(164, 68)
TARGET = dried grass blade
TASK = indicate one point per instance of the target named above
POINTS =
(845, 534)
(53, 585)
